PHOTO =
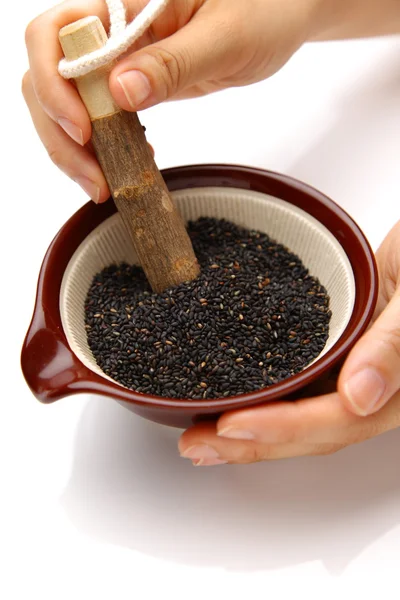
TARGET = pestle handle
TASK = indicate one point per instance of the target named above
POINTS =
(149, 213)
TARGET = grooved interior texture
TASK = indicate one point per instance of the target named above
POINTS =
(301, 233)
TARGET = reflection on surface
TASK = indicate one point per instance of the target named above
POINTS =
(129, 487)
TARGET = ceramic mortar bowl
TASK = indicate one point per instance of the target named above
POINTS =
(56, 359)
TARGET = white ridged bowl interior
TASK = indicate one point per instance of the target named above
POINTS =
(319, 250)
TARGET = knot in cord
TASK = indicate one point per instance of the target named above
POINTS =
(121, 37)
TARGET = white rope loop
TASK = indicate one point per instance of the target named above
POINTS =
(117, 12)
(122, 36)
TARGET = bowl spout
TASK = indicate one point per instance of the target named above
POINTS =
(51, 370)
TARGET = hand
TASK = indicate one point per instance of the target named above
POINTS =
(195, 47)
(366, 404)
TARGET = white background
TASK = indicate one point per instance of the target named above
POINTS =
(95, 502)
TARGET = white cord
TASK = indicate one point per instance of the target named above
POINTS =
(122, 36)
(117, 13)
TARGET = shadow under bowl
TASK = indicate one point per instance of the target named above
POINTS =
(55, 365)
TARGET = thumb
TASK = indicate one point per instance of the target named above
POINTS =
(371, 373)
(203, 49)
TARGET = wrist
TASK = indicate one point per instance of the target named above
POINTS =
(345, 19)
(326, 15)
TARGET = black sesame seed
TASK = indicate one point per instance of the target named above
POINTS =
(253, 317)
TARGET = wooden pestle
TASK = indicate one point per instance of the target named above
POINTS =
(149, 213)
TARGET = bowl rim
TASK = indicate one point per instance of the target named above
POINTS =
(52, 370)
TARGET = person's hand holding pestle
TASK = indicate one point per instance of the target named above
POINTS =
(195, 48)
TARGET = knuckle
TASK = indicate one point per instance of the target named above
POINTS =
(26, 83)
(260, 453)
(228, 30)
(374, 426)
(55, 154)
(327, 449)
(222, 28)
(291, 435)
(173, 68)
(384, 420)
(254, 453)
(224, 35)
(32, 30)
(42, 92)
(389, 282)
(393, 342)
(392, 422)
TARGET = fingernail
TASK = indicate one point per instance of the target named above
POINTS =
(135, 86)
(90, 187)
(236, 434)
(72, 130)
(208, 462)
(200, 452)
(364, 390)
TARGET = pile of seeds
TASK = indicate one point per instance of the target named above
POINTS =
(254, 317)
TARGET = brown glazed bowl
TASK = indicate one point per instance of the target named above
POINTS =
(53, 371)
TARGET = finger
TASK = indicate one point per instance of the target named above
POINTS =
(388, 259)
(371, 374)
(58, 97)
(77, 162)
(205, 48)
(320, 420)
(311, 420)
(205, 446)
(202, 445)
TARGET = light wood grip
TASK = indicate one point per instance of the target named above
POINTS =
(148, 211)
